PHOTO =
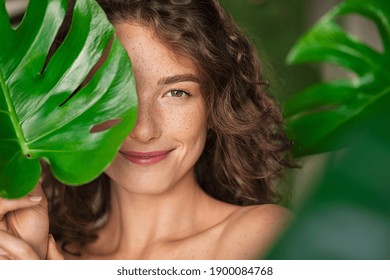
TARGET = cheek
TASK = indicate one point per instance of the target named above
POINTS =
(190, 127)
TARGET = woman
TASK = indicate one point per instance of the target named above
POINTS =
(193, 180)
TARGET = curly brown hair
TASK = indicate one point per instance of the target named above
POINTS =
(246, 148)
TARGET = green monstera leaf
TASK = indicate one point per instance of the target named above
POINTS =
(48, 108)
(347, 213)
(317, 115)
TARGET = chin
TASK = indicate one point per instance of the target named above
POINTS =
(141, 185)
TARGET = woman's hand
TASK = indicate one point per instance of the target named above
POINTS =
(17, 249)
(24, 227)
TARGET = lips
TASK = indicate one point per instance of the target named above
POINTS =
(145, 158)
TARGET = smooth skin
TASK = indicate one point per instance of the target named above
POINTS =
(24, 228)
(158, 209)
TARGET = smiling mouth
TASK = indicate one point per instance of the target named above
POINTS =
(145, 158)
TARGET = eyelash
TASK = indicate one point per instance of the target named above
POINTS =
(178, 91)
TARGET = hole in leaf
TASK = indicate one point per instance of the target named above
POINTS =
(92, 72)
(334, 72)
(70, 96)
(364, 30)
(16, 10)
(105, 125)
(99, 63)
(61, 34)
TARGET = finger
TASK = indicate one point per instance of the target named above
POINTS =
(16, 248)
(8, 205)
(3, 255)
(52, 251)
(37, 191)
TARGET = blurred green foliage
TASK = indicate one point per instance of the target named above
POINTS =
(274, 26)
(317, 115)
(347, 214)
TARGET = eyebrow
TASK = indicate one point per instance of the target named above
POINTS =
(178, 78)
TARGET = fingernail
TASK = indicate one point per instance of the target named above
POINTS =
(35, 198)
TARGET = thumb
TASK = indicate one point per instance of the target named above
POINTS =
(38, 191)
(52, 252)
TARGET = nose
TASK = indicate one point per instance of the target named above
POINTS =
(147, 125)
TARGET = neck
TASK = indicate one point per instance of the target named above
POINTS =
(138, 220)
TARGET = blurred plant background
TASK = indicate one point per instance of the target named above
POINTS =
(337, 114)
(342, 198)
(275, 26)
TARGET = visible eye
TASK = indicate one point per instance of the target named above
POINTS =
(177, 93)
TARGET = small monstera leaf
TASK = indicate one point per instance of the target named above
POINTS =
(316, 116)
(48, 108)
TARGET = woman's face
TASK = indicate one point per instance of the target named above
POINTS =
(170, 132)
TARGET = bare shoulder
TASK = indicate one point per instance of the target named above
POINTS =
(250, 231)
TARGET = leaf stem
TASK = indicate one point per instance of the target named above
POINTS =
(14, 118)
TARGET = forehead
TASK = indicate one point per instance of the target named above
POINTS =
(149, 54)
